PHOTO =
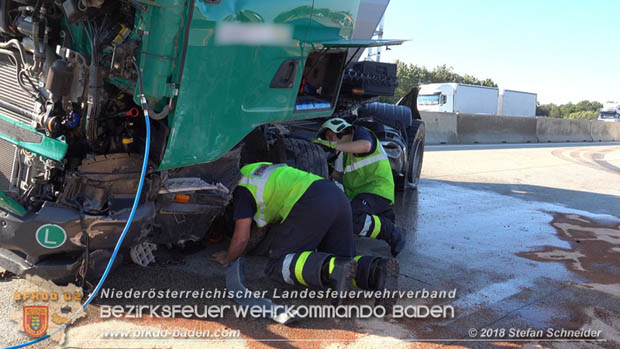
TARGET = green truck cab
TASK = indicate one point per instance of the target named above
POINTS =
(225, 81)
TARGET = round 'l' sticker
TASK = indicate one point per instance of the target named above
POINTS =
(51, 236)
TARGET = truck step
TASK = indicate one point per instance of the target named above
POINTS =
(186, 184)
(142, 254)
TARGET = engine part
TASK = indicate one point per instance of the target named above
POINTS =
(133, 112)
(4, 26)
(160, 115)
(122, 35)
(92, 3)
(51, 123)
(72, 13)
(59, 79)
(121, 63)
(95, 89)
(25, 26)
(80, 72)
(73, 120)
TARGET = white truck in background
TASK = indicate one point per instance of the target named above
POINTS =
(516, 103)
(455, 97)
(610, 112)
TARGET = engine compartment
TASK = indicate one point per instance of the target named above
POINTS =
(57, 61)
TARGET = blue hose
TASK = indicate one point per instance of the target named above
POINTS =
(118, 243)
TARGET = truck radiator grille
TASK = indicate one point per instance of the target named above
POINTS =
(7, 164)
(11, 92)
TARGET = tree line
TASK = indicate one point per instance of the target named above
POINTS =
(582, 110)
(410, 75)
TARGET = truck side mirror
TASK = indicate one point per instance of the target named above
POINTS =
(443, 99)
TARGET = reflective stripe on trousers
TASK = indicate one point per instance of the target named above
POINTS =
(260, 182)
(286, 268)
(308, 262)
(368, 222)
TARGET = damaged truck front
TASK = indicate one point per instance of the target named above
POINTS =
(222, 79)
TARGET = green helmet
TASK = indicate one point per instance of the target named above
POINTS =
(336, 125)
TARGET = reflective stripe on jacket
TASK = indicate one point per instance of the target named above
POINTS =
(367, 174)
(275, 188)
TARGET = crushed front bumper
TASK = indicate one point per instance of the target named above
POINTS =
(34, 244)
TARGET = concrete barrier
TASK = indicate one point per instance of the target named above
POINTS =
(473, 128)
(563, 130)
(440, 127)
(452, 128)
(605, 131)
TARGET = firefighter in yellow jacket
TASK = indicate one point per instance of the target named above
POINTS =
(366, 175)
(312, 226)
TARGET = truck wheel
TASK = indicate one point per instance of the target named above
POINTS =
(415, 155)
(302, 155)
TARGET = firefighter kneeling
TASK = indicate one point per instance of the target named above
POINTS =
(312, 242)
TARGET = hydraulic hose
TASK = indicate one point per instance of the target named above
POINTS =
(127, 224)
(15, 43)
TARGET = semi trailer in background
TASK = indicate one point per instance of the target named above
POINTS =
(474, 99)
(455, 97)
(610, 112)
(516, 103)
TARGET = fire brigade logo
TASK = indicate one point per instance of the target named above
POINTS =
(35, 320)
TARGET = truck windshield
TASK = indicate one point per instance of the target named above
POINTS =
(428, 99)
(607, 115)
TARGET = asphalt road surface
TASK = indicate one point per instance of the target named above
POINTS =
(527, 236)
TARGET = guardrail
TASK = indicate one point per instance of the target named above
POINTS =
(456, 128)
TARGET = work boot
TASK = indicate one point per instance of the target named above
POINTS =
(384, 276)
(397, 240)
(341, 276)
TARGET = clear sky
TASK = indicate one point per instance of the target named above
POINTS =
(566, 51)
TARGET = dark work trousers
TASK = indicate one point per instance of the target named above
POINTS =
(373, 216)
(318, 228)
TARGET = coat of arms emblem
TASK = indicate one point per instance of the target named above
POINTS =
(35, 320)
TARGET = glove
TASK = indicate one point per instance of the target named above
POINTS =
(324, 143)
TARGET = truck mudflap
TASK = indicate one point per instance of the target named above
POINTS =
(52, 243)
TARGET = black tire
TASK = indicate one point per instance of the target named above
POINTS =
(395, 116)
(301, 154)
(415, 155)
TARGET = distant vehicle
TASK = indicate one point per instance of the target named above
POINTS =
(516, 103)
(610, 112)
(455, 97)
